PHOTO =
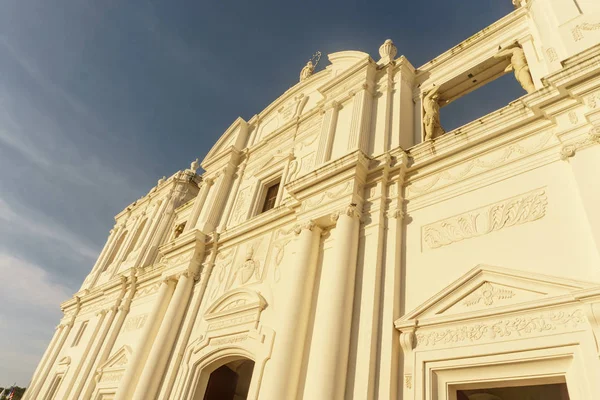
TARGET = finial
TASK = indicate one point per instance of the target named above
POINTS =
(162, 180)
(387, 51)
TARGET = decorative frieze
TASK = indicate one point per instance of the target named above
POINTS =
(513, 211)
(332, 194)
(489, 161)
(504, 328)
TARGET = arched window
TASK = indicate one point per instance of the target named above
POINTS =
(115, 250)
(230, 381)
(136, 238)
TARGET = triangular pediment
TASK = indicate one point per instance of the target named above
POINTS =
(118, 360)
(234, 137)
(486, 288)
(235, 301)
(271, 162)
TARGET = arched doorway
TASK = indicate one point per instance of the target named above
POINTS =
(230, 381)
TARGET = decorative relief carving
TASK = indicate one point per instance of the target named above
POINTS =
(111, 377)
(307, 163)
(240, 208)
(222, 263)
(279, 253)
(134, 323)
(570, 149)
(148, 290)
(408, 381)
(592, 100)
(519, 326)
(489, 161)
(333, 194)
(551, 53)
(487, 294)
(573, 117)
(513, 211)
(229, 340)
(238, 307)
(248, 271)
(577, 30)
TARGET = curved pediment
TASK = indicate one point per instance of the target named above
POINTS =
(235, 138)
(236, 301)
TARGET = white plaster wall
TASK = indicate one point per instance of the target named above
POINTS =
(557, 244)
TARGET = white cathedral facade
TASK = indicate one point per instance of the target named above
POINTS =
(341, 245)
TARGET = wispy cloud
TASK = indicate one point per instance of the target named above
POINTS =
(30, 284)
(32, 223)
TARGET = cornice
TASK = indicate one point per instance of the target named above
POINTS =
(258, 225)
(332, 168)
(516, 17)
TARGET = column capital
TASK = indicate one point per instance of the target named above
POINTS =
(208, 181)
(309, 225)
(169, 279)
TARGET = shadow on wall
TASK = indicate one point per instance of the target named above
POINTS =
(480, 102)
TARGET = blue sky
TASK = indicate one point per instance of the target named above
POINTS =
(98, 99)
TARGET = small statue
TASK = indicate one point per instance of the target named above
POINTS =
(307, 71)
(518, 63)
(431, 105)
(194, 166)
(161, 181)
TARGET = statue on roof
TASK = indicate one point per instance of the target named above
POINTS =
(307, 71)
(518, 63)
(431, 106)
(310, 66)
(194, 166)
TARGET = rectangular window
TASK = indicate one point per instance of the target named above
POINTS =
(270, 197)
(79, 333)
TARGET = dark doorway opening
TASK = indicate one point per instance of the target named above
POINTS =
(230, 381)
(536, 392)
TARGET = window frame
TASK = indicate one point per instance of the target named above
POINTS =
(264, 184)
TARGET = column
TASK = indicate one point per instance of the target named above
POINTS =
(327, 367)
(140, 355)
(199, 204)
(43, 361)
(359, 125)
(585, 168)
(186, 329)
(328, 133)
(77, 378)
(293, 315)
(64, 334)
(104, 324)
(106, 345)
(163, 221)
(218, 200)
(154, 367)
(108, 249)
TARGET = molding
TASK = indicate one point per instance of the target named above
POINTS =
(520, 326)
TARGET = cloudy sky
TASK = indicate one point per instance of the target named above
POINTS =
(98, 99)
